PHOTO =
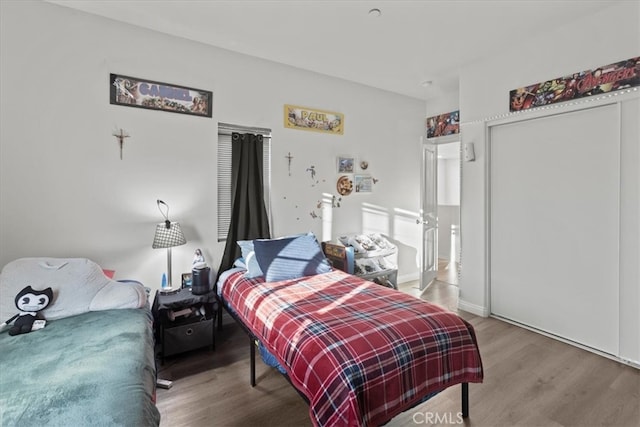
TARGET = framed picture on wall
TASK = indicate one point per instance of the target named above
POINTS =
(443, 124)
(363, 183)
(344, 185)
(313, 119)
(345, 164)
(152, 95)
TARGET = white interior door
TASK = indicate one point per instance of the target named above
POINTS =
(429, 220)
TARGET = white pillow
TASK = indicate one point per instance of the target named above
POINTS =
(79, 285)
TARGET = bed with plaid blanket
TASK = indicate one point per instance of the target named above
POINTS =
(359, 352)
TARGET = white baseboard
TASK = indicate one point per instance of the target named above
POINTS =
(403, 278)
(478, 310)
(632, 363)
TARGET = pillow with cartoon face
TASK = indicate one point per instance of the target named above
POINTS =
(79, 285)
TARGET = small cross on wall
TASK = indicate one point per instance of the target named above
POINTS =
(289, 157)
(120, 136)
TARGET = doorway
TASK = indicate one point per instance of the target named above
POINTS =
(440, 213)
(448, 196)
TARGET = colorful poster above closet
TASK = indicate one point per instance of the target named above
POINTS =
(609, 78)
(443, 124)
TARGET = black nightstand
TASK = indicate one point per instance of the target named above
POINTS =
(184, 321)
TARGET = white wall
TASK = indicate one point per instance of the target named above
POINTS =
(448, 179)
(442, 102)
(606, 37)
(65, 192)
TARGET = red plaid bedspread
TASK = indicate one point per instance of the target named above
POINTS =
(361, 353)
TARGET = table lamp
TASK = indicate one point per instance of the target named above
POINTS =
(168, 234)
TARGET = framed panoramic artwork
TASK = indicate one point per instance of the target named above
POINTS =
(604, 79)
(304, 118)
(152, 95)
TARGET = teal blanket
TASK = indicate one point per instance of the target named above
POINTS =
(93, 369)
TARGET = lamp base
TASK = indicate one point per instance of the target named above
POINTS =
(169, 291)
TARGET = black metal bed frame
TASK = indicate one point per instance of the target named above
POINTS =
(252, 354)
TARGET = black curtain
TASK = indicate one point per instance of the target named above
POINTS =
(249, 218)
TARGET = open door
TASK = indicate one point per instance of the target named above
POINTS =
(429, 210)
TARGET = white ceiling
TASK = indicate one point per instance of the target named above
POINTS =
(409, 43)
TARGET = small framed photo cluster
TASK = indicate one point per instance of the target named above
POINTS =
(348, 180)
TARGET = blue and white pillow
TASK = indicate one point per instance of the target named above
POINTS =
(250, 261)
(290, 257)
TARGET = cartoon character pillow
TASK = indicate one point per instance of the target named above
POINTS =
(29, 302)
(79, 286)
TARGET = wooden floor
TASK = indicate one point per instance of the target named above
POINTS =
(530, 380)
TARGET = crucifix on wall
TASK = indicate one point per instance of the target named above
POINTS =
(120, 136)
(289, 157)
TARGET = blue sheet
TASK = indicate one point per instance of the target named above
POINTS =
(93, 369)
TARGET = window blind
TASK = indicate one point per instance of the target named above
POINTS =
(224, 172)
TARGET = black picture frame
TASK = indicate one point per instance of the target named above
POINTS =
(187, 280)
(153, 95)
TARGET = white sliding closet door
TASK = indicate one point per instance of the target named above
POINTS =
(554, 236)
